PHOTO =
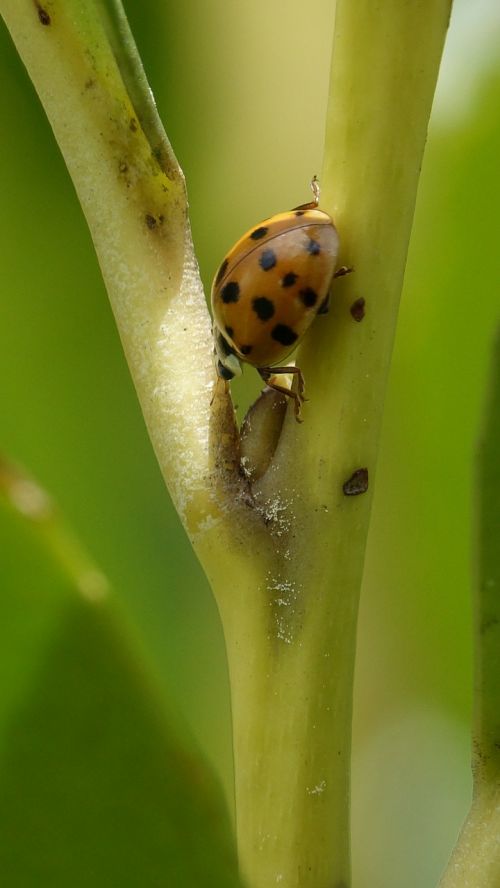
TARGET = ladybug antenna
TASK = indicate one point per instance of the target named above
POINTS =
(316, 190)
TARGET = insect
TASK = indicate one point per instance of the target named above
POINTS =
(269, 289)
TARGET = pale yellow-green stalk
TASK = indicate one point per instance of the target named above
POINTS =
(284, 555)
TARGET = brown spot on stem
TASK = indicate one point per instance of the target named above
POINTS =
(151, 221)
(133, 124)
(357, 483)
(358, 309)
(42, 14)
(123, 167)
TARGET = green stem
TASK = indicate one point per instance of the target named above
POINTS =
(475, 862)
(132, 192)
(292, 675)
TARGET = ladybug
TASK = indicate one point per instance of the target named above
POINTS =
(269, 289)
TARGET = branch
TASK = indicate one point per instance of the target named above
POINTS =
(292, 684)
(132, 192)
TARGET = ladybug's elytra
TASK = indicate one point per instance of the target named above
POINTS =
(269, 289)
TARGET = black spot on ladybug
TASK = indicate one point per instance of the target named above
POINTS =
(357, 483)
(263, 308)
(299, 212)
(358, 309)
(150, 221)
(325, 305)
(43, 15)
(259, 232)
(229, 331)
(230, 292)
(289, 279)
(267, 260)
(246, 349)
(309, 297)
(283, 334)
(223, 371)
(313, 247)
(221, 272)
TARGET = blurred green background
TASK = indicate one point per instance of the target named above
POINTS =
(242, 90)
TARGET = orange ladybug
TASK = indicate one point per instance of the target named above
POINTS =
(269, 289)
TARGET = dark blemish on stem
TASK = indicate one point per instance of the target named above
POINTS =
(357, 483)
(133, 124)
(157, 154)
(488, 623)
(151, 221)
(123, 167)
(90, 83)
(42, 14)
(358, 309)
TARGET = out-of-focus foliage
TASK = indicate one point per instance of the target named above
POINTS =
(96, 787)
(242, 91)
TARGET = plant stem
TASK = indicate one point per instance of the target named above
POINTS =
(292, 682)
(132, 192)
(475, 862)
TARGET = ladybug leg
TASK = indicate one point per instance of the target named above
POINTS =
(296, 371)
(343, 270)
(267, 374)
(325, 306)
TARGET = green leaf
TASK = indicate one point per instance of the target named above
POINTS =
(96, 786)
